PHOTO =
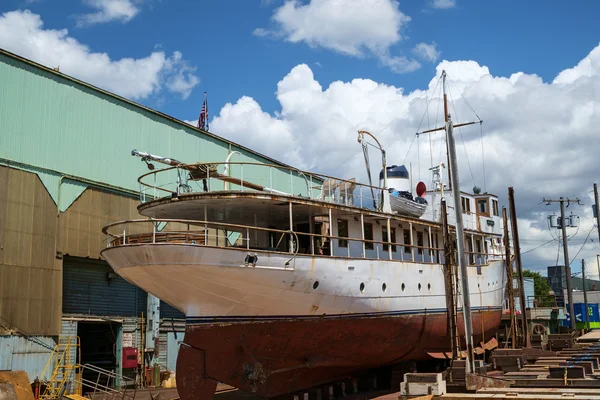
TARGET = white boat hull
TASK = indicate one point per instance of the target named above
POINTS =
(204, 281)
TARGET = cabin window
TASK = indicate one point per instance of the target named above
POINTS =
(482, 206)
(407, 241)
(342, 232)
(368, 236)
(466, 204)
(495, 208)
(478, 248)
(470, 250)
(384, 238)
(420, 242)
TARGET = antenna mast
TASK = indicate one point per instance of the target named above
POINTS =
(446, 119)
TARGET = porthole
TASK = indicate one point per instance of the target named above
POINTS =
(403, 287)
(362, 287)
(429, 287)
(315, 285)
(383, 287)
(419, 287)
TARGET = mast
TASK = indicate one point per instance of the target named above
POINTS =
(460, 237)
(446, 119)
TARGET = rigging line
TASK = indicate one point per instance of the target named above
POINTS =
(406, 110)
(537, 247)
(406, 156)
(462, 139)
(348, 159)
(430, 145)
(437, 115)
(482, 153)
(418, 158)
(581, 248)
(427, 104)
(465, 99)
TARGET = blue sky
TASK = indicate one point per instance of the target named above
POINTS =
(542, 37)
(295, 79)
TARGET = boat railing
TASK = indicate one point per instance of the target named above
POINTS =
(252, 238)
(255, 177)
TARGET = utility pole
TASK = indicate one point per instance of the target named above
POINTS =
(563, 225)
(509, 279)
(517, 246)
(597, 222)
(585, 303)
(598, 262)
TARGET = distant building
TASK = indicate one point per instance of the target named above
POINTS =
(558, 282)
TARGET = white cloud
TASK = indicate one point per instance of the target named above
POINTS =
(108, 10)
(357, 28)
(22, 32)
(443, 4)
(427, 52)
(539, 137)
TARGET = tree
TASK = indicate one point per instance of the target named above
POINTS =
(541, 288)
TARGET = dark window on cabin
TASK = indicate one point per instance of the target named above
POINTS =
(482, 206)
(420, 242)
(495, 207)
(384, 238)
(342, 232)
(466, 204)
(470, 250)
(368, 236)
(407, 241)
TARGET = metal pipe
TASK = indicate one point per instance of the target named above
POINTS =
(460, 237)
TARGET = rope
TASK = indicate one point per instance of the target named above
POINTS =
(462, 139)
(466, 101)
(482, 152)
(418, 158)
(410, 147)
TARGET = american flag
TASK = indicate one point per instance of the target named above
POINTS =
(203, 118)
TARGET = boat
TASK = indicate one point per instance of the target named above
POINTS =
(290, 279)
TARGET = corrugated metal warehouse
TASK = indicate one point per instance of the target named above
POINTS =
(66, 171)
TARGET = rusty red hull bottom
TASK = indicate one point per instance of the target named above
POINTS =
(275, 357)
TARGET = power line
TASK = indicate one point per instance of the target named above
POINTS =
(537, 247)
(581, 248)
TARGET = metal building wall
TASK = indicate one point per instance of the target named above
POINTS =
(88, 290)
(46, 114)
(76, 138)
(30, 275)
(26, 353)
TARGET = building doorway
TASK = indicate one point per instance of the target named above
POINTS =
(98, 344)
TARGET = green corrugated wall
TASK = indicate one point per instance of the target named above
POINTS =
(55, 123)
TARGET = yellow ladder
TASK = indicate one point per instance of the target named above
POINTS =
(65, 370)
